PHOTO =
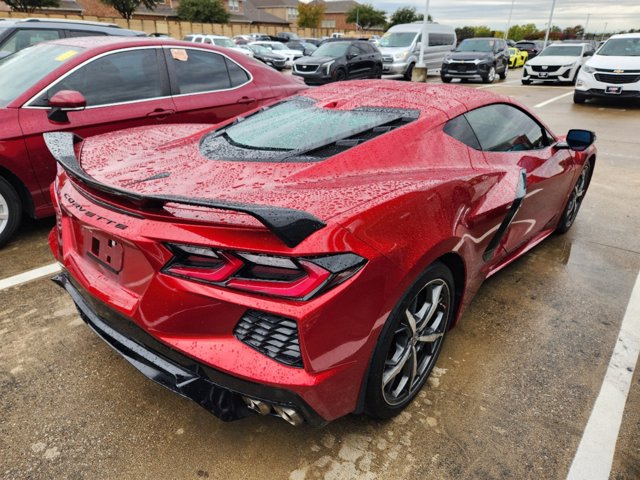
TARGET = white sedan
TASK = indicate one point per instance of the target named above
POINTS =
(282, 50)
(559, 62)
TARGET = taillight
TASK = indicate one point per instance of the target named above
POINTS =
(286, 277)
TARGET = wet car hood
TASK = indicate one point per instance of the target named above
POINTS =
(469, 55)
(552, 60)
(310, 60)
(614, 62)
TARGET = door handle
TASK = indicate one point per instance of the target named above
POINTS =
(159, 113)
(246, 100)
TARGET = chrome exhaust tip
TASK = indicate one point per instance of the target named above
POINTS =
(257, 405)
(289, 415)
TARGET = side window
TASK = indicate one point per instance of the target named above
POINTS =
(504, 128)
(116, 78)
(208, 40)
(199, 71)
(237, 75)
(460, 129)
(25, 38)
(85, 33)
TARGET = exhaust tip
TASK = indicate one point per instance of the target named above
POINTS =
(289, 415)
(257, 406)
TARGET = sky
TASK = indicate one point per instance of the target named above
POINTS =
(616, 14)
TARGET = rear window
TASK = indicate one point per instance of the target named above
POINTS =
(299, 130)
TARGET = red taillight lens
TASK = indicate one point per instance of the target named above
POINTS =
(287, 277)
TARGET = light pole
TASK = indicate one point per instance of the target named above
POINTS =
(424, 36)
(584, 32)
(419, 73)
(506, 32)
(546, 36)
(604, 31)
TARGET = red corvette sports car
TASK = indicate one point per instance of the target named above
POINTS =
(306, 260)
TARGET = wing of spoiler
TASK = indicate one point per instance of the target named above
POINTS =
(290, 225)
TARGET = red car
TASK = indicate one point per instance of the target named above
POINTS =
(124, 82)
(308, 259)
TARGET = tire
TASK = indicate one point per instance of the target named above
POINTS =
(409, 73)
(445, 79)
(10, 211)
(526, 82)
(490, 76)
(575, 77)
(578, 99)
(339, 75)
(402, 362)
(575, 199)
(503, 75)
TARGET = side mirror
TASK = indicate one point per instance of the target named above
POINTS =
(587, 54)
(577, 140)
(351, 55)
(65, 101)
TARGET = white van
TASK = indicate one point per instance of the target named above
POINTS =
(400, 47)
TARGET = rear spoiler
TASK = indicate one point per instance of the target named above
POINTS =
(290, 225)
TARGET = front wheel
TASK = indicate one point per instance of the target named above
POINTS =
(409, 73)
(578, 99)
(503, 75)
(526, 82)
(445, 79)
(410, 343)
(339, 75)
(575, 77)
(575, 199)
(10, 211)
(490, 76)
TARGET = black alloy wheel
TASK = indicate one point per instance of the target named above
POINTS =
(410, 343)
(575, 199)
(10, 211)
(339, 75)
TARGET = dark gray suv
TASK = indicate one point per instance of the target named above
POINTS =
(18, 34)
(477, 59)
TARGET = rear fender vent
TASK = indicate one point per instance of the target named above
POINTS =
(272, 335)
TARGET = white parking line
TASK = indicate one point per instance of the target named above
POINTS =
(29, 276)
(594, 457)
(540, 105)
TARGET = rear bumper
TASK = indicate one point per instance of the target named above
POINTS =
(217, 392)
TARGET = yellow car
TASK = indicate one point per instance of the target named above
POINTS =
(517, 58)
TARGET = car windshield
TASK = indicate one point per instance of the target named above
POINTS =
(260, 50)
(397, 39)
(621, 47)
(23, 69)
(562, 51)
(332, 49)
(476, 45)
(277, 46)
(223, 42)
(295, 125)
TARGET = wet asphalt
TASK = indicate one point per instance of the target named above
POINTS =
(510, 397)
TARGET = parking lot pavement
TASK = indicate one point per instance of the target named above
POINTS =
(510, 398)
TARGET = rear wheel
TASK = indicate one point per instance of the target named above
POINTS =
(377, 71)
(575, 199)
(410, 343)
(10, 211)
(490, 76)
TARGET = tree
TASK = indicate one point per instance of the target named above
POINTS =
(310, 14)
(366, 17)
(406, 15)
(127, 7)
(203, 11)
(465, 32)
(482, 31)
(30, 6)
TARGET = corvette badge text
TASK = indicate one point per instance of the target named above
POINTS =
(91, 214)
